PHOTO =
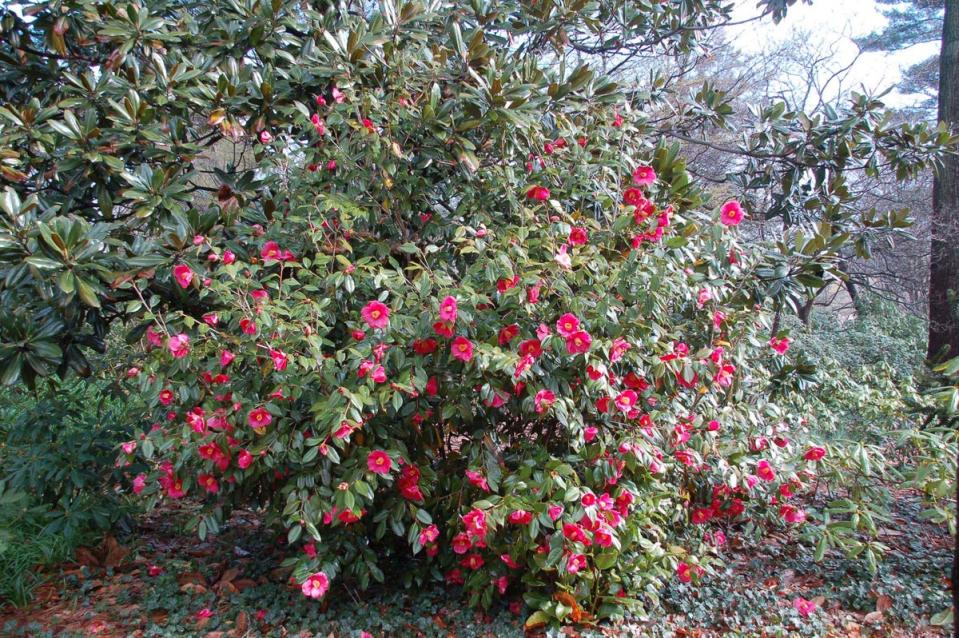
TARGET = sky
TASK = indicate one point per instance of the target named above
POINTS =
(835, 21)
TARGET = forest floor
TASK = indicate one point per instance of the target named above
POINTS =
(162, 582)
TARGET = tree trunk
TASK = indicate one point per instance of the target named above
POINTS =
(944, 265)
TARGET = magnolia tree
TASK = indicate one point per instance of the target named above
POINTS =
(452, 313)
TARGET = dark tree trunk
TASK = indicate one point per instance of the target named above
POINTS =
(944, 265)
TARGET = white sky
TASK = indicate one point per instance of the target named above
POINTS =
(835, 21)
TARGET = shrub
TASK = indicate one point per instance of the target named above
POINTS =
(450, 309)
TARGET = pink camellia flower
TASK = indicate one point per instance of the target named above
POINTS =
(179, 345)
(429, 534)
(244, 459)
(804, 607)
(713, 426)
(538, 193)
(316, 585)
(626, 400)
(211, 319)
(508, 561)
(280, 360)
(378, 374)
(562, 257)
(271, 252)
(543, 400)
(475, 522)
(644, 175)
(590, 433)
(567, 324)
(376, 314)
(139, 483)
(462, 349)
(578, 342)
(507, 334)
(703, 297)
(520, 517)
(226, 358)
(578, 236)
(575, 563)
(229, 257)
(477, 480)
(792, 514)
(265, 137)
(128, 447)
(259, 418)
(204, 613)
(154, 570)
(379, 462)
(619, 348)
(448, 309)
(603, 536)
(554, 512)
(815, 453)
(780, 344)
(183, 275)
(731, 213)
(765, 471)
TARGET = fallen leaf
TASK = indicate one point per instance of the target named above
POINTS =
(872, 618)
(883, 603)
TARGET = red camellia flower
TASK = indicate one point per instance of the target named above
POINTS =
(248, 326)
(379, 462)
(578, 236)
(473, 561)
(507, 333)
(780, 344)
(462, 349)
(520, 517)
(244, 459)
(538, 193)
(183, 275)
(166, 397)
(644, 175)
(376, 314)
(765, 471)
(208, 482)
(259, 418)
(633, 197)
(685, 571)
(424, 346)
(731, 213)
(575, 533)
(815, 453)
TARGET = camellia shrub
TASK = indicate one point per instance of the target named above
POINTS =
(413, 282)
(512, 349)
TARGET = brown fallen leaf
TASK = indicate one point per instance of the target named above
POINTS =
(872, 618)
(193, 588)
(883, 603)
(86, 558)
(241, 624)
(113, 552)
(244, 583)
